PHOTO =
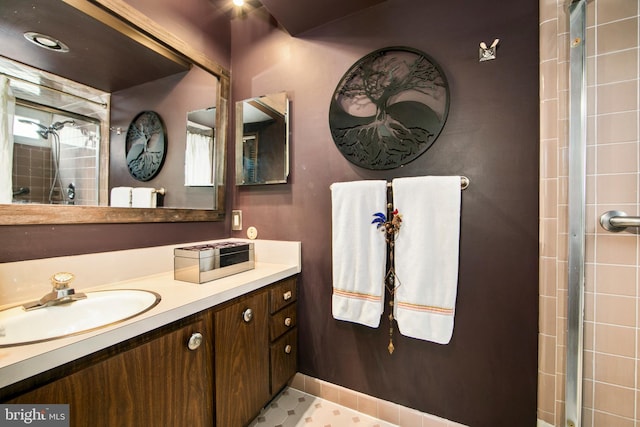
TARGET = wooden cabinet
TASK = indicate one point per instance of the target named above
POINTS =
(241, 360)
(156, 381)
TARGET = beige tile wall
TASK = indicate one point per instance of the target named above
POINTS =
(611, 395)
(378, 408)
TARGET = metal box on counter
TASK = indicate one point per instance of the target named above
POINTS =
(203, 263)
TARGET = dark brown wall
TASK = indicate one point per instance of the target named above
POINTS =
(487, 375)
(24, 242)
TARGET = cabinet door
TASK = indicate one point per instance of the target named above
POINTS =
(284, 356)
(241, 360)
(158, 383)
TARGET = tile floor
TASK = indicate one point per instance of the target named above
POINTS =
(294, 408)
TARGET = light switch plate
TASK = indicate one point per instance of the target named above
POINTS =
(236, 220)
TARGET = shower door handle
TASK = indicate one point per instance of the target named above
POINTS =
(617, 221)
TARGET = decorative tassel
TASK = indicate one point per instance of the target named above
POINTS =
(391, 346)
(391, 227)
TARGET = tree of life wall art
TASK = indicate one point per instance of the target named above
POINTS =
(389, 108)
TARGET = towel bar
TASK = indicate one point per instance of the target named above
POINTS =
(464, 182)
(617, 221)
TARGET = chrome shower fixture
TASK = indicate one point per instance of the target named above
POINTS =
(56, 181)
(44, 131)
(60, 125)
(42, 127)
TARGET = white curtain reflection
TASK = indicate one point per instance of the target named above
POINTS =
(7, 111)
(198, 159)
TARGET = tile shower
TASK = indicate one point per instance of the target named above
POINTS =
(33, 169)
(611, 387)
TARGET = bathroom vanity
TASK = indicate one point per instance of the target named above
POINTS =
(207, 354)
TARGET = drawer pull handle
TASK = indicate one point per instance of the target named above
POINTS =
(287, 321)
(195, 341)
(287, 295)
(247, 315)
(287, 349)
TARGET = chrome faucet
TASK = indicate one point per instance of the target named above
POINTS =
(60, 294)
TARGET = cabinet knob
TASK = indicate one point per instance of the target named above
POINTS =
(287, 348)
(247, 315)
(195, 341)
(287, 321)
(287, 295)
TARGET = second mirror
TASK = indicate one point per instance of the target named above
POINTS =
(262, 140)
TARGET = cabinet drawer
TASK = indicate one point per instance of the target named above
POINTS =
(282, 321)
(284, 357)
(282, 294)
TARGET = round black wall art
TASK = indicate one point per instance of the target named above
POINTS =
(146, 145)
(389, 108)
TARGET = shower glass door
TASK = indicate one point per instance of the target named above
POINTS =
(606, 359)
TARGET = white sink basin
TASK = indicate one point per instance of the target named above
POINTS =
(99, 309)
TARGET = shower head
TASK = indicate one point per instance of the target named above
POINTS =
(42, 128)
(60, 125)
(43, 131)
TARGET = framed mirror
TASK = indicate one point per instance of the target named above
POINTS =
(157, 55)
(262, 140)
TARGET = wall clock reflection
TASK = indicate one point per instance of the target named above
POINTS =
(389, 108)
(146, 145)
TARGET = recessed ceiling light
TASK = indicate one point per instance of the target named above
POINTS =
(46, 42)
(238, 2)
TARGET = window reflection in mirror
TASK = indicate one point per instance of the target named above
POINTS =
(199, 167)
(262, 140)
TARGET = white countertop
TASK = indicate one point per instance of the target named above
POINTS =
(179, 300)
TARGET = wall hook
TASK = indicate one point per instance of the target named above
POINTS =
(488, 53)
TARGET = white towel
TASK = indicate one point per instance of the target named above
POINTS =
(121, 197)
(358, 251)
(144, 197)
(426, 256)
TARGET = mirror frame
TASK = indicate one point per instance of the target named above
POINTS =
(129, 21)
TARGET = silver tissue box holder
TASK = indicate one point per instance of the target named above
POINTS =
(203, 263)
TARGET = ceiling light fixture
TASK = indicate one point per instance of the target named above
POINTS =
(238, 3)
(46, 42)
